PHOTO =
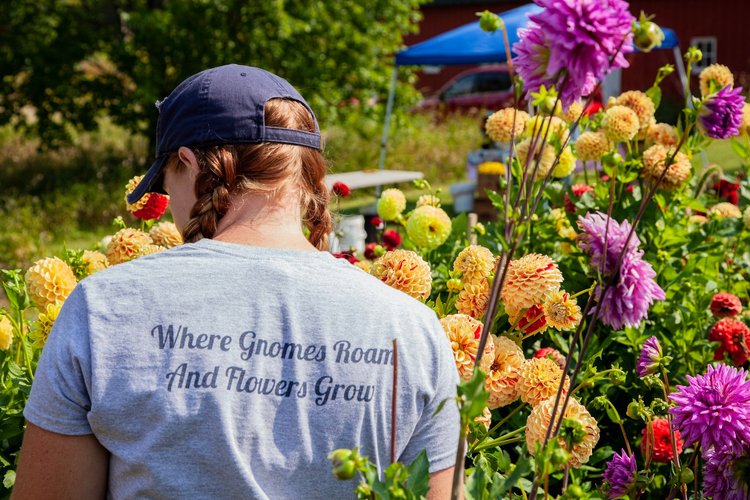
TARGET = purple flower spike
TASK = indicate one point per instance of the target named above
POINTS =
(714, 409)
(620, 474)
(648, 361)
(721, 114)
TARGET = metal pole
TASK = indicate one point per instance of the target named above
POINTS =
(387, 122)
(681, 72)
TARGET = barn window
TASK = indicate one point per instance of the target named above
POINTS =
(707, 45)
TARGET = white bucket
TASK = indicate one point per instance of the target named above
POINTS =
(349, 233)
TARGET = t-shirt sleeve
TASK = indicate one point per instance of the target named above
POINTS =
(59, 400)
(438, 434)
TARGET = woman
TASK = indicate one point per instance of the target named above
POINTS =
(229, 367)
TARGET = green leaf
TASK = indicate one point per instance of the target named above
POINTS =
(654, 93)
(522, 467)
(10, 479)
(476, 485)
(440, 407)
(419, 475)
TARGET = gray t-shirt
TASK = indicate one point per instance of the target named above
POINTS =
(216, 370)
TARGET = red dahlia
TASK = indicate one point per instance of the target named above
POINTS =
(581, 189)
(661, 448)
(391, 239)
(728, 191)
(553, 354)
(155, 206)
(341, 189)
(734, 337)
(725, 305)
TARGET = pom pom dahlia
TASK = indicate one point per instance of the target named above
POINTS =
(566, 163)
(391, 204)
(725, 305)
(725, 210)
(650, 357)
(95, 261)
(550, 353)
(150, 249)
(577, 38)
(660, 444)
(620, 124)
(126, 244)
(529, 281)
(531, 322)
(561, 312)
(735, 339)
(745, 125)
(165, 234)
(663, 134)
(428, 227)
(539, 379)
(641, 104)
(428, 199)
(544, 156)
(485, 418)
(717, 76)
(475, 263)
(6, 333)
(44, 323)
(555, 129)
(150, 206)
(48, 281)
(404, 270)
(539, 420)
(574, 112)
(391, 239)
(341, 189)
(720, 116)
(714, 408)
(620, 474)
(591, 146)
(654, 159)
(502, 376)
(473, 299)
(463, 333)
(500, 127)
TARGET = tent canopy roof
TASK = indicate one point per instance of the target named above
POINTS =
(469, 44)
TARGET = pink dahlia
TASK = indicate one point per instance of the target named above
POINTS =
(575, 37)
(648, 361)
(714, 408)
(721, 114)
(725, 305)
(620, 474)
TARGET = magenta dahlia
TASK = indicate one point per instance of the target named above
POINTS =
(633, 289)
(726, 474)
(584, 40)
(620, 474)
(721, 114)
(714, 408)
(648, 361)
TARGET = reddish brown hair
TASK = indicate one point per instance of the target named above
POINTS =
(235, 169)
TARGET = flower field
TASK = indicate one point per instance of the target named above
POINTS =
(598, 322)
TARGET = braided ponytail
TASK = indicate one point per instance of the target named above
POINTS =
(266, 168)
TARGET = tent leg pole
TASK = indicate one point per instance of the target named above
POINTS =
(387, 123)
(683, 76)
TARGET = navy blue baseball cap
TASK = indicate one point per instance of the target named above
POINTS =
(223, 105)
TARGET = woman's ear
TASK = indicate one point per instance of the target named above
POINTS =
(187, 157)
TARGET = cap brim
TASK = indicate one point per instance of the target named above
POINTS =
(147, 183)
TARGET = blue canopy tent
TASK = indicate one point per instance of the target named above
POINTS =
(469, 44)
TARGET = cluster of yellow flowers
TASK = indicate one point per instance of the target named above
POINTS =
(427, 226)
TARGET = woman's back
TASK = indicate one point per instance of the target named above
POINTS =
(222, 370)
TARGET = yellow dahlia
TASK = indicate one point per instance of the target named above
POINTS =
(475, 263)
(641, 104)
(719, 74)
(663, 134)
(406, 271)
(491, 167)
(129, 187)
(463, 333)
(126, 244)
(620, 123)
(562, 224)
(95, 261)
(165, 234)
(485, 418)
(555, 128)
(574, 111)
(654, 159)
(565, 164)
(502, 376)
(540, 418)
(428, 227)
(529, 281)
(365, 265)
(545, 156)
(745, 125)
(500, 125)
(391, 204)
(6, 333)
(150, 249)
(561, 311)
(44, 323)
(725, 210)
(48, 281)
(591, 146)
(473, 299)
(428, 199)
(538, 379)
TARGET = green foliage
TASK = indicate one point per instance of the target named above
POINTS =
(68, 64)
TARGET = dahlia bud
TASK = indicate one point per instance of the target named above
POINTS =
(574, 492)
(379, 250)
(660, 406)
(344, 463)
(559, 458)
(647, 34)
(617, 377)
(480, 229)
(650, 357)
(489, 21)
(454, 285)
(693, 55)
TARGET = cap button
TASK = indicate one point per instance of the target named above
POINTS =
(243, 74)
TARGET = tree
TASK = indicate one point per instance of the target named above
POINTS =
(72, 62)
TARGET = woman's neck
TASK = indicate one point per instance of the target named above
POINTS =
(254, 220)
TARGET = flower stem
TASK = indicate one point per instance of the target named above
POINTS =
(501, 440)
(506, 418)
